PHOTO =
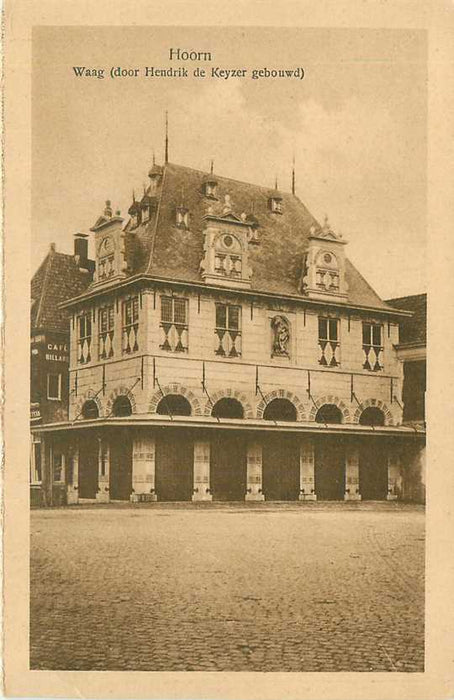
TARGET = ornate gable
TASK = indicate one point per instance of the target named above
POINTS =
(323, 275)
(110, 247)
(226, 238)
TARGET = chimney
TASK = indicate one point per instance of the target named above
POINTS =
(81, 249)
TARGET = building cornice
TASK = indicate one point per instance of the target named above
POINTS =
(208, 422)
(411, 352)
(246, 293)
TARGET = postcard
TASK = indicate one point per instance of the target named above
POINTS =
(228, 364)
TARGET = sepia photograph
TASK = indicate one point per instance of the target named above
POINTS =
(228, 349)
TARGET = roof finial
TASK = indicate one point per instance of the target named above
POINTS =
(211, 167)
(326, 226)
(293, 175)
(154, 158)
(275, 183)
(144, 188)
(133, 196)
(166, 159)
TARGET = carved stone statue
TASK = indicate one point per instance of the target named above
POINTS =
(281, 336)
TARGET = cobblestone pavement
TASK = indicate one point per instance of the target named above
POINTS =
(253, 587)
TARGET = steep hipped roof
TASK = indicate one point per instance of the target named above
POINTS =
(160, 248)
(164, 250)
(57, 279)
(412, 330)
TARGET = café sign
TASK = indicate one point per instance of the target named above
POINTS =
(57, 352)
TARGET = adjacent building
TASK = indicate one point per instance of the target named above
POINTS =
(58, 278)
(411, 351)
(227, 349)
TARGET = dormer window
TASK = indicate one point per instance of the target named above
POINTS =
(106, 259)
(275, 203)
(209, 187)
(134, 212)
(182, 218)
(155, 175)
(228, 258)
(327, 272)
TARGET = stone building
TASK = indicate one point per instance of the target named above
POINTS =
(227, 349)
(412, 352)
(58, 278)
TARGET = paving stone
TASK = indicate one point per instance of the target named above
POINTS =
(320, 588)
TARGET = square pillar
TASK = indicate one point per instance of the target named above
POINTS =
(143, 469)
(46, 470)
(201, 488)
(254, 472)
(352, 473)
(72, 493)
(103, 494)
(307, 470)
(394, 475)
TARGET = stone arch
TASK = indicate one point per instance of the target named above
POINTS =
(120, 391)
(89, 395)
(282, 394)
(229, 394)
(333, 400)
(180, 390)
(375, 403)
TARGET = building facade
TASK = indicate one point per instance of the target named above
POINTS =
(412, 352)
(57, 279)
(227, 349)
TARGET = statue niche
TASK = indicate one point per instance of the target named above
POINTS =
(281, 337)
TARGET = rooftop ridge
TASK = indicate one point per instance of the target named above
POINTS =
(232, 179)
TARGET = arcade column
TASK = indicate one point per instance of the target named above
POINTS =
(72, 493)
(352, 473)
(143, 469)
(201, 489)
(254, 472)
(307, 470)
(103, 493)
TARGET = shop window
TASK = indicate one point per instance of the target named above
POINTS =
(174, 324)
(373, 346)
(228, 330)
(58, 464)
(131, 325)
(54, 387)
(85, 337)
(106, 333)
(36, 470)
(328, 342)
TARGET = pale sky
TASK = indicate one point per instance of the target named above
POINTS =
(356, 123)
